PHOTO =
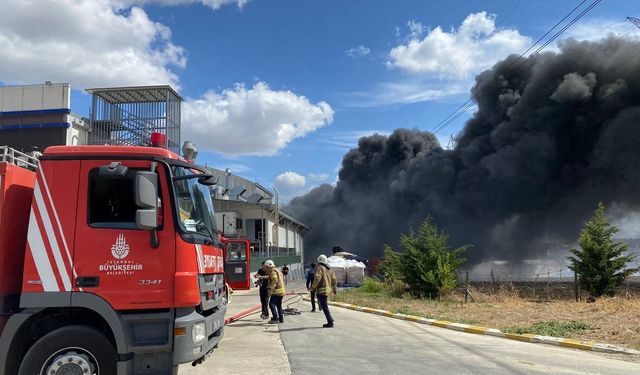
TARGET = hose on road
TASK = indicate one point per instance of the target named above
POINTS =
(254, 310)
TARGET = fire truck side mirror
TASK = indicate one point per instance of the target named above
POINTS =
(146, 196)
(208, 180)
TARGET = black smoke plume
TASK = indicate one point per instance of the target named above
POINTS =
(549, 140)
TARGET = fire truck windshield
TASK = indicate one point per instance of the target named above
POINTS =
(195, 207)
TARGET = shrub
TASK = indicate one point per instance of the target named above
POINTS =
(370, 285)
(427, 265)
(396, 288)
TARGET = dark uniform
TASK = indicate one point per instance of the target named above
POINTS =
(310, 275)
(264, 293)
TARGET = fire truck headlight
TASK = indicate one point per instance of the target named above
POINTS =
(199, 332)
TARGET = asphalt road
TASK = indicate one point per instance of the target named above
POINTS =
(363, 343)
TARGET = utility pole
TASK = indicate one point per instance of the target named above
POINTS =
(276, 235)
(634, 21)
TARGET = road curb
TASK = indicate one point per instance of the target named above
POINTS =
(557, 341)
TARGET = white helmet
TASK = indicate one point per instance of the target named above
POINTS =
(322, 259)
(269, 263)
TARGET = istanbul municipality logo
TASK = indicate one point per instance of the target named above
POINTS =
(119, 265)
(120, 249)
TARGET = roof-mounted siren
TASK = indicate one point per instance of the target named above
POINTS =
(189, 151)
(158, 140)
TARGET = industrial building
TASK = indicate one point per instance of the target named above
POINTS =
(39, 116)
(247, 209)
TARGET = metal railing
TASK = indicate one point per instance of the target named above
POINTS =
(272, 251)
(10, 155)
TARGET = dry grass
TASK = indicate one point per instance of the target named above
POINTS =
(518, 306)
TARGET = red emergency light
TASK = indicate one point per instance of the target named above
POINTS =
(159, 140)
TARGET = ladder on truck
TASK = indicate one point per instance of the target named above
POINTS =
(13, 156)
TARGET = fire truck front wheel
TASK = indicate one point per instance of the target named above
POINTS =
(70, 350)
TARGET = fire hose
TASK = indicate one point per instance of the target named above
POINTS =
(288, 311)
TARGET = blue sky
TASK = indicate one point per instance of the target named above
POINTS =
(278, 91)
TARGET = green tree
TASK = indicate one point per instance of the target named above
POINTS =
(600, 262)
(390, 266)
(427, 265)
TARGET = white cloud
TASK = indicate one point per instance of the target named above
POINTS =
(405, 92)
(213, 4)
(317, 177)
(289, 181)
(234, 167)
(416, 29)
(292, 184)
(441, 64)
(89, 43)
(347, 140)
(357, 52)
(475, 45)
(256, 121)
(289, 185)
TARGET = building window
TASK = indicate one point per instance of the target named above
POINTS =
(238, 223)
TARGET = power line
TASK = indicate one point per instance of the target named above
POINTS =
(634, 21)
(469, 103)
(454, 115)
(548, 32)
(439, 126)
(511, 10)
(561, 31)
(466, 106)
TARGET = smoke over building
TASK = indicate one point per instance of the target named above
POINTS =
(549, 140)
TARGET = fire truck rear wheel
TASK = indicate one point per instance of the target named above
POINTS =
(68, 351)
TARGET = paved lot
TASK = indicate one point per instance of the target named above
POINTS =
(370, 344)
(250, 346)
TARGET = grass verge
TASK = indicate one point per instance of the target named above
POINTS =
(552, 328)
(516, 308)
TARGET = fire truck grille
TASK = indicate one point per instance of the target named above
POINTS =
(211, 291)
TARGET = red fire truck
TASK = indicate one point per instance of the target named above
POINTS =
(108, 262)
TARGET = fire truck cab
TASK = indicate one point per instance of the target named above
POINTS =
(108, 263)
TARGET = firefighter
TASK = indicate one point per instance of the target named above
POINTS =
(310, 276)
(285, 272)
(325, 284)
(263, 275)
(276, 292)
